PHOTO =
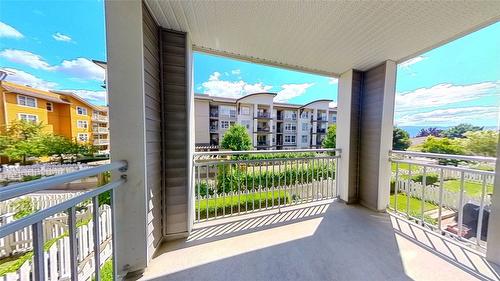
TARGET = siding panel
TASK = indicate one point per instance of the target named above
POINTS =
(175, 146)
(153, 129)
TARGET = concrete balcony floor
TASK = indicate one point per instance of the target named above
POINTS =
(318, 241)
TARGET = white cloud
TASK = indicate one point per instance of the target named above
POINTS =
(451, 116)
(236, 72)
(95, 97)
(290, 91)
(82, 68)
(231, 89)
(444, 94)
(8, 31)
(61, 37)
(412, 61)
(333, 80)
(24, 78)
(26, 58)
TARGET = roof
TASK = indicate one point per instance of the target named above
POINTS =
(324, 37)
(100, 63)
(36, 93)
(255, 94)
(73, 95)
(315, 101)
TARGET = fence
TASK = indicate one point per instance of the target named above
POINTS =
(81, 249)
(474, 227)
(56, 257)
(233, 182)
(38, 202)
(17, 172)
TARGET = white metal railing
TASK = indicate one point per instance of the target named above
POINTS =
(228, 183)
(100, 118)
(443, 192)
(16, 172)
(35, 221)
(101, 130)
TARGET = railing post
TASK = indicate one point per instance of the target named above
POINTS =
(493, 253)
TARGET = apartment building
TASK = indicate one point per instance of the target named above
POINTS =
(62, 113)
(271, 125)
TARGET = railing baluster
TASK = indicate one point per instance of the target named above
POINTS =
(97, 242)
(481, 213)
(461, 204)
(223, 190)
(38, 251)
(239, 187)
(199, 193)
(396, 186)
(246, 189)
(73, 250)
(253, 186)
(208, 190)
(260, 186)
(297, 182)
(231, 187)
(424, 183)
(408, 191)
(441, 187)
(272, 184)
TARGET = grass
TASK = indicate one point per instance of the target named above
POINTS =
(404, 166)
(106, 271)
(471, 188)
(241, 202)
(415, 207)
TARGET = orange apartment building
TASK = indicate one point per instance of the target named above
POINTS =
(62, 113)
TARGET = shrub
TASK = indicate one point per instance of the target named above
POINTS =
(429, 179)
(23, 207)
(30, 178)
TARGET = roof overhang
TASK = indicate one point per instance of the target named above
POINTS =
(323, 37)
(33, 93)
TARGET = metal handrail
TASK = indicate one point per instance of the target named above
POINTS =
(24, 188)
(445, 156)
(35, 220)
(203, 153)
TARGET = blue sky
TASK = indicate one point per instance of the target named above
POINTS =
(51, 45)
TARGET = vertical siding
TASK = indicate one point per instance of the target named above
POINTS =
(356, 92)
(152, 103)
(370, 134)
(176, 126)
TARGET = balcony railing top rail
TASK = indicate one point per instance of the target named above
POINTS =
(226, 153)
(443, 156)
(35, 220)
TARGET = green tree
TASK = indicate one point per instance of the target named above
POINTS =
(432, 131)
(400, 139)
(330, 140)
(22, 139)
(236, 139)
(459, 131)
(62, 148)
(482, 143)
(443, 146)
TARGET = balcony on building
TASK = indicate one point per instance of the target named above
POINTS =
(223, 215)
(263, 113)
(100, 118)
(214, 112)
(101, 142)
(100, 130)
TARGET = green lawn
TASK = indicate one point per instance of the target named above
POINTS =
(404, 166)
(240, 202)
(415, 207)
(471, 188)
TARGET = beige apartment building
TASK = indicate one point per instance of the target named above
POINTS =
(271, 125)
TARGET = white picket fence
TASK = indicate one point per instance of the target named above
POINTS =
(431, 194)
(448, 174)
(16, 172)
(38, 201)
(57, 261)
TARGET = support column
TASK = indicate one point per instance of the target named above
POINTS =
(365, 124)
(493, 251)
(125, 86)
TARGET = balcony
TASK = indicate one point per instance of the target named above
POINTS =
(321, 130)
(214, 129)
(100, 118)
(263, 130)
(100, 130)
(263, 115)
(214, 114)
(101, 142)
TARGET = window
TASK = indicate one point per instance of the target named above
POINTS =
(227, 111)
(290, 127)
(305, 127)
(304, 139)
(83, 137)
(291, 115)
(26, 101)
(49, 106)
(82, 124)
(334, 119)
(28, 117)
(289, 139)
(245, 110)
(81, 110)
(305, 115)
(224, 124)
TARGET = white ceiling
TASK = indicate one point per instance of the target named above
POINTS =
(323, 37)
